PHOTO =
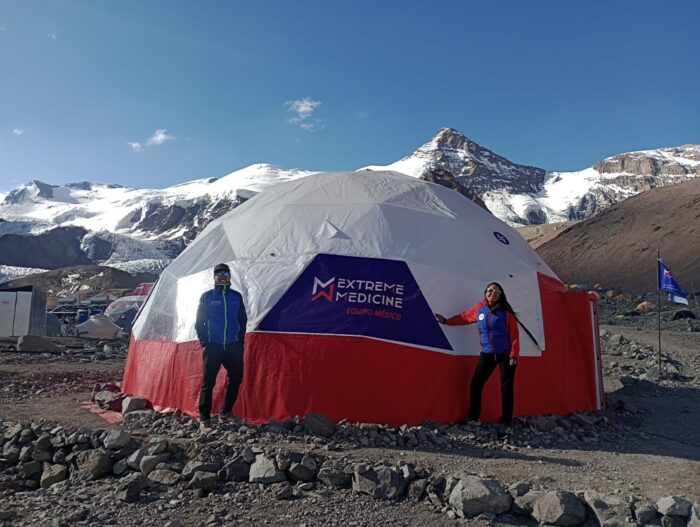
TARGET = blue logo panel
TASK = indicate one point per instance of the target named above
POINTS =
(347, 295)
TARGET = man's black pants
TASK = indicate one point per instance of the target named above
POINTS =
(216, 355)
(484, 368)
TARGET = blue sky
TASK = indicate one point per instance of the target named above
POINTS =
(153, 93)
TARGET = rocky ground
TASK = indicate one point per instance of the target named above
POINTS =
(637, 461)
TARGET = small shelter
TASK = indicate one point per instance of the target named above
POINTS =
(22, 311)
(341, 274)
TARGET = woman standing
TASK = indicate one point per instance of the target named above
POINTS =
(500, 346)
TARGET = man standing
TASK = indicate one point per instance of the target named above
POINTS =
(221, 326)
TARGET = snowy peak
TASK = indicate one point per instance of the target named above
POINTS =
(474, 166)
(673, 161)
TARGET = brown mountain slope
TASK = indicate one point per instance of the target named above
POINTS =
(617, 248)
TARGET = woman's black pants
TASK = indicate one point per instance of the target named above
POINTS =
(484, 368)
(215, 356)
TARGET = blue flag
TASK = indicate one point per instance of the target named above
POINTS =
(668, 284)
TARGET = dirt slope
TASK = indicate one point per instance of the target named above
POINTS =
(617, 248)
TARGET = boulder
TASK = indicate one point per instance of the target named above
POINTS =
(645, 512)
(333, 474)
(108, 400)
(193, 466)
(235, 470)
(473, 495)
(673, 506)
(645, 307)
(305, 470)
(130, 488)
(611, 511)
(156, 446)
(319, 424)
(283, 491)
(164, 477)
(416, 489)
(149, 463)
(694, 520)
(382, 482)
(683, 313)
(264, 470)
(116, 439)
(559, 508)
(53, 474)
(133, 404)
(93, 464)
(673, 521)
(206, 481)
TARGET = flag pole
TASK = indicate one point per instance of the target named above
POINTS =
(658, 305)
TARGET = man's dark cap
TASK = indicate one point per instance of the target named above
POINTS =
(222, 267)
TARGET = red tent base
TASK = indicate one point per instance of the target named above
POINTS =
(367, 380)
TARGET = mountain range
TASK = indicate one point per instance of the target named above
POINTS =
(51, 226)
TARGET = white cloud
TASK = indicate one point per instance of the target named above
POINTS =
(159, 137)
(17, 131)
(303, 110)
(51, 36)
(361, 114)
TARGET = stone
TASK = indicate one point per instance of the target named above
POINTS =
(156, 446)
(235, 470)
(36, 344)
(519, 489)
(645, 512)
(264, 470)
(120, 467)
(174, 523)
(304, 471)
(283, 491)
(130, 488)
(133, 404)
(694, 520)
(416, 489)
(43, 442)
(31, 470)
(207, 481)
(306, 486)
(164, 477)
(93, 464)
(611, 511)
(381, 482)
(683, 313)
(673, 506)
(333, 474)
(193, 466)
(134, 460)
(673, 521)
(149, 463)
(319, 424)
(473, 495)
(559, 508)
(116, 439)
(42, 455)
(53, 474)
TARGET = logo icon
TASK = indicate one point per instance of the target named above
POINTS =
(481, 316)
(501, 238)
(326, 289)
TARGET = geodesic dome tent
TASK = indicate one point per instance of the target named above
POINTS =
(341, 274)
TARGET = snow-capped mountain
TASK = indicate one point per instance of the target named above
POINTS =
(51, 226)
(523, 195)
